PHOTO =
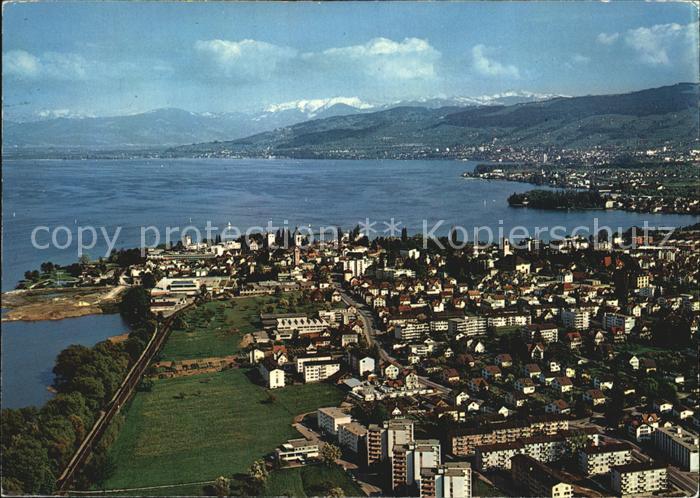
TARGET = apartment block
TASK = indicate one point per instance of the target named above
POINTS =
(538, 479)
(636, 479)
(595, 460)
(316, 371)
(680, 445)
(407, 460)
(331, 418)
(449, 480)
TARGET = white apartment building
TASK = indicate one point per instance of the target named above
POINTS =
(575, 319)
(286, 327)
(449, 480)
(411, 331)
(548, 332)
(595, 460)
(396, 431)
(350, 435)
(331, 418)
(316, 371)
(618, 320)
(301, 360)
(637, 479)
(469, 326)
(680, 445)
(357, 266)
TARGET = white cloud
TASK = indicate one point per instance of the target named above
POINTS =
(244, 59)
(580, 59)
(656, 45)
(410, 59)
(490, 67)
(21, 64)
(607, 38)
(50, 65)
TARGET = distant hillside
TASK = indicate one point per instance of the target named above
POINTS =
(650, 117)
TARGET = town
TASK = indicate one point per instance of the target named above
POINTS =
(517, 368)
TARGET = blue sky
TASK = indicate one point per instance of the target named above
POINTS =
(122, 57)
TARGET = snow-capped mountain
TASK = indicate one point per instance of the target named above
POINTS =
(170, 126)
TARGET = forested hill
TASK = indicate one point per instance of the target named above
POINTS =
(646, 118)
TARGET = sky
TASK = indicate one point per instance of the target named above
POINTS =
(113, 58)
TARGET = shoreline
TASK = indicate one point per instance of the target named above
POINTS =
(31, 305)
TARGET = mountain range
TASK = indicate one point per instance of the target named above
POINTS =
(172, 126)
(648, 118)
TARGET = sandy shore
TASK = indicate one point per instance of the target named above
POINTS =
(57, 304)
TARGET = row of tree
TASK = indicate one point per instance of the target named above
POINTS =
(558, 199)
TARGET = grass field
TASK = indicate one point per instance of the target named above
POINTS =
(197, 428)
(481, 488)
(216, 328)
(311, 480)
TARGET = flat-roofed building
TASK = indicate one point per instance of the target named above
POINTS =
(351, 435)
(595, 460)
(449, 480)
(331, 418)
(679, 444)
(639, 478)
(297, 450)
(407, 460)
(316, 371)
(538, 479)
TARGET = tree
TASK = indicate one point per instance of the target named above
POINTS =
(258, 472)
(329, 454)
(335, 492)
(222, 486)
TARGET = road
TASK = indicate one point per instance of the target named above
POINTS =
(370, 329)
(684, 480)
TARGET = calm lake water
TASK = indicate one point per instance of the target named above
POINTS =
(29, 350)
(135, 193)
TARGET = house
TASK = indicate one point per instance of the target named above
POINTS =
(559, 407)
(459, 397)
(525, 385)
(256, 355)
(662, 406)
(594, 397)
(554, 366)
(504, 360)
(478, 384)
(647, 365)
(391, 371)
(450, 375)
(603, 382)
(563, 384)
(573, 340)
(272, 374)
(491, 372)
(515, 399)
(532, 370)
(642, 427)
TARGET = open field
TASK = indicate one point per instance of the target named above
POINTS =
(216, 328)
(197, 428)
(311, 480)
(57, 304)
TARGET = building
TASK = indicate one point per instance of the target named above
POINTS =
(595, 460)
(301, 360)
(542, 448)
(468, 326)
(541, 332)
(411, 331)
(374, 444)
(351, 436)
(396, 431)
(449, 480)
(617, 320)
(286, 327)
(538, 479)
(407, 460)
(316, 371)
(680, 445)
(331, 418)
(272, 374)
(464, 441)
(297, 450)
(575, 319)
(636, 479)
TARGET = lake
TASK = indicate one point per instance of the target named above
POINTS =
(135, 193)
(29, 350)
(251, 192)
